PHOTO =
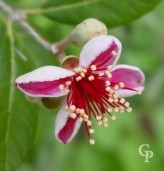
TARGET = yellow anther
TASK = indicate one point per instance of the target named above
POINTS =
(107, 83)
(99, 123)
(122, 100)
(113, 117)
(109, 67)
(110, 100)
(129, 109)
(127, 104)
(78, 78)
(101, 74)
(84, 70)
(77, 70)
(109, 110)
(91, 78)
(85, 116)
(77, 110)
(111, 91)
(114, 53)
(72, 108)
(80, 119)
(82, 74)
(116, 109)
(98, 118)
(67, 92)
(105, 124)
(82, 112)
(139, 91)
(91, 131)
(93, 67)
(109, 75)
(115, 100)
(121, 85)
(115, 96)
(68, 83)
(92, 141)
(73, 115)
(108, 89)
(121, 108)
(105, 120)
(89, 123)
(66, 108)
(116, 87)
(61, 86)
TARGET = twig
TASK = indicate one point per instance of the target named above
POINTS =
(56, 48)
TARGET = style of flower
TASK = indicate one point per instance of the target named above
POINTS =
(96, 88)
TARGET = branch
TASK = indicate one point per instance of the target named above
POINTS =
(19, 17)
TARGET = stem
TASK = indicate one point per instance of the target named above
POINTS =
(56, 48)
(35, 35)
(5, 7)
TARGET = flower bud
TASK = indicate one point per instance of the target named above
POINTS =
(52, 103)
(70, 62)
(87, 30)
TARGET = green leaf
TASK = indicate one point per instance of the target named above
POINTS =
(112, 13)
(18, 117)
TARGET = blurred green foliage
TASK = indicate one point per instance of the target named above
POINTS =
(117, 146)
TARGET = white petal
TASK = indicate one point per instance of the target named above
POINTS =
(46, 73)
(61, 120)
(95, 47)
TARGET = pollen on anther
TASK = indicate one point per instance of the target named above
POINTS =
(113, 117)
(116, 87)
(101, 74)
(81, 119)
(122, 100)
(91, 131)
(68, 83)
(73, 115)
(109, 67)
(78, 78)
(99, 123)
(61, 86)
(110, 100)
(105, 124)
(107, 83)
(108, 89)
(82, 74)
(109, 75)
(92, 141)
(98, 118)
(67, 91)
(109, 110)
(114, 53)
(72, 108)
(121, 85)
(129, 109)
(139, 91)
(91, 78)
(93, 67)
(127, 104)
(89, 123)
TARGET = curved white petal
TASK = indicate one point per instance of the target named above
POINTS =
(44, 81)
(65, 127)
(96, 46)
(46, 73)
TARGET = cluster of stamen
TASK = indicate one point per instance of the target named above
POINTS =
(110, 99)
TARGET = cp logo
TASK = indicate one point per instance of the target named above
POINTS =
(146, 153)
